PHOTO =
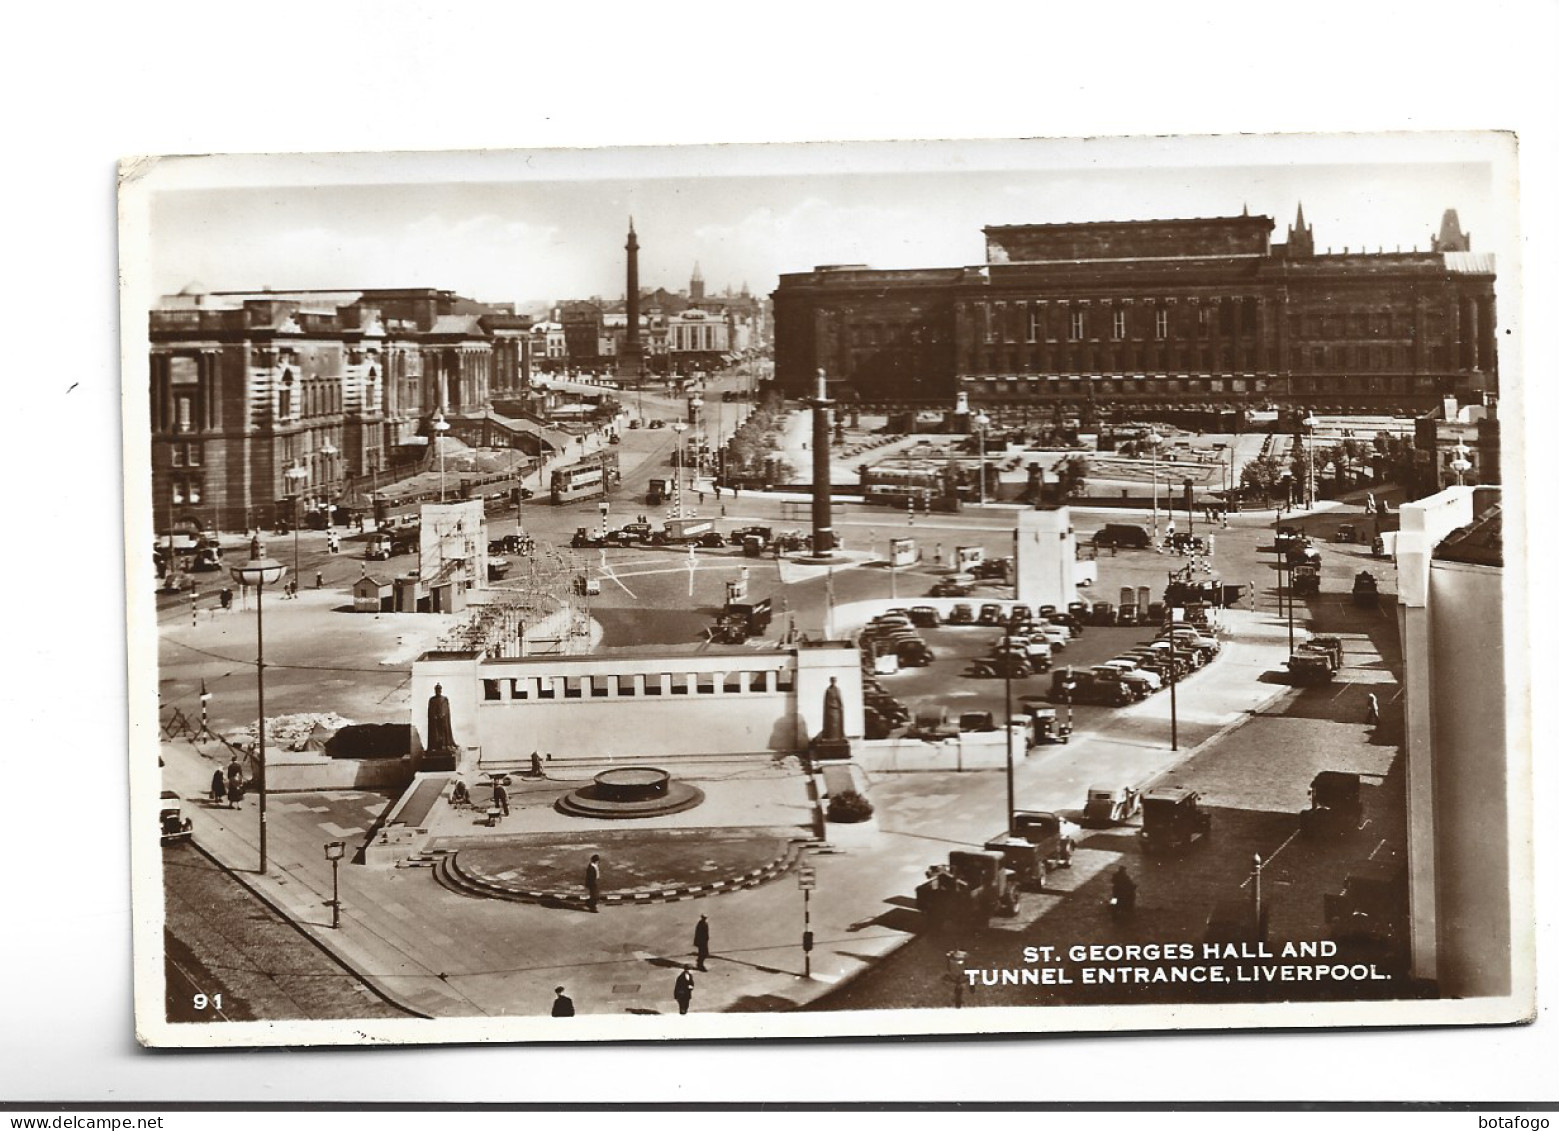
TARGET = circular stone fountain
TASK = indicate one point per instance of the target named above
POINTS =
(630, 791)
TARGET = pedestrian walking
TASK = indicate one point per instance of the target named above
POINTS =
(683, 991)
(500, 798)
(939, 555)
(1372, 712)
(218, 786)
(701, 941)
(717, 494)
(562, 1004)
(226, 598)
(593, 881)
(535, 765)
(235, 791)
(319, 580)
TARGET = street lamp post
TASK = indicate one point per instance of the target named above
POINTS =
(696, 423)
(259, 571)
(1310, 422)
(678, 427)
(334, 850)
(329, 451)
(440, 426)
(1012, 800)
(295, 476)
(1174, 713)
(981, 422)
(1154, 440)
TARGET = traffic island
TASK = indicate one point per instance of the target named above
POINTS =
(648, 866)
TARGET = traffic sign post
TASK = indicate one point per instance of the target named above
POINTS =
(806, 880)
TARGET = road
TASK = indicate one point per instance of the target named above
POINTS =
(230, 957)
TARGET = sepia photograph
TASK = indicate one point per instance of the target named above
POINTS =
(827, 590)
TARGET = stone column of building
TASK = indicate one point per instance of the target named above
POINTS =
(822, 483)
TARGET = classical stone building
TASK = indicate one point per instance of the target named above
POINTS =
(1154, 314)
(263, 404)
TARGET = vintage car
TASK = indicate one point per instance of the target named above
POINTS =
(1111, 805)
(1336, 808)
(961, 614)
(175, 826)
(1172, 819)
(925, 616)
(991, 614)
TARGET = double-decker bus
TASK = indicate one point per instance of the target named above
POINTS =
(590, 478)
(895, 486)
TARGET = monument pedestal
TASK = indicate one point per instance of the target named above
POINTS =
(439, 761)
(831, 749)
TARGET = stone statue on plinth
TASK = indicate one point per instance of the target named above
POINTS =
(831, 742)
(443, 752)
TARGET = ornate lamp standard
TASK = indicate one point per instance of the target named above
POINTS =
(295, 475)
(696, 422)
(334, 851)
(329, 451)
(440, 426)
(679, 427)
(1461, 464)
(1310, 422)
(259, 571)
(981, 423)
(1153, 441)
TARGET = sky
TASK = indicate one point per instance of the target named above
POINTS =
(537, 227)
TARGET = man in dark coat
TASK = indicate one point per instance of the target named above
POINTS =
(218, 785)
(701, 941)
(593, 881)
(684, 989)
(562, 1004)
(500, 798)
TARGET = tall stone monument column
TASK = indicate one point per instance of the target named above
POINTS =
(631, 361)
(823, 540)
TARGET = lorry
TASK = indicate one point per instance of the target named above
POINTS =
(740, 620)
(1366, 592)
(657, 493)
(1037, 842)
(1310, 667)
(688, 531)
(1306, 579)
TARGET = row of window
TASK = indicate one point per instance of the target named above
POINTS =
(1093, 359)
(1109, 386)
(187, 454)
(651, 684)
(1004, 322)
(187, 490)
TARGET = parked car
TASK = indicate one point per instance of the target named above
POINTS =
(1111, 805)
(1173, 818)
(949, 587)
(961, 614)
(1103, 614)
(175, 826)
(924, 616)
(991, 614)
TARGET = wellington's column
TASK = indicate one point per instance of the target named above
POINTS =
(823, 541)
(631, 364)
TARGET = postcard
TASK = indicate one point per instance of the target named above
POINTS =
(827, 590)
